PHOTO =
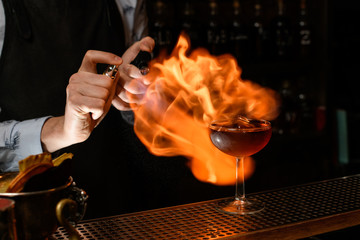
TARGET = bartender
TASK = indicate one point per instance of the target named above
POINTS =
(45, 41)
(16, 146)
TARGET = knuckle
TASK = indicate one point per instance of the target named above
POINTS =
(101, 104)
(105, 93)
(89, 53)
(73, 77)
(107, 82)
(69, 89)
(71, 98)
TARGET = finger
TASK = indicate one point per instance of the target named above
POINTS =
(80, 91)
(132, 71)
(93, 57)
(93, 79)
(119, 104)
(85, 105)
(131, 98)
(92, 85)
(93, 91)
(136, 86)
(146, 44)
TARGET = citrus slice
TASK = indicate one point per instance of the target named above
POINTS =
(18, 183)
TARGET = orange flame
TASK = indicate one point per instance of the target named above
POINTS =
(186, 93)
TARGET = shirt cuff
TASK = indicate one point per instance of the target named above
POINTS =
(29, 133)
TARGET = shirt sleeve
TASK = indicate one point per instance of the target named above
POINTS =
(19, 140)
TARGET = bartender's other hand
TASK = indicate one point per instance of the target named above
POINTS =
(131, 85)
(88, 99)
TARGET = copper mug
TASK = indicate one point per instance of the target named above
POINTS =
(7, 219)
(39, 213)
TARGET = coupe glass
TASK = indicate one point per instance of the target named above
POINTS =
(240, 137)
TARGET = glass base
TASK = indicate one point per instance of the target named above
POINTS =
(234, 206)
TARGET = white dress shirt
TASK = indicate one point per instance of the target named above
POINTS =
(21, 139)
(134, 19)
(2, 25)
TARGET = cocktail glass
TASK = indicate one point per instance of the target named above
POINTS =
(240, 137)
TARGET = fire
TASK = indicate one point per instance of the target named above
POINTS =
(189, 90)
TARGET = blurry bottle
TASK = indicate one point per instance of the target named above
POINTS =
(160, 28)
(189, 25)
(306, 121)
(280, 34)
(216, 34)
(239, 34)
(257, 35)
(303, 40)
(287, 120)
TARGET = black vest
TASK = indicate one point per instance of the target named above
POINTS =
(45, 42)
(44, 45)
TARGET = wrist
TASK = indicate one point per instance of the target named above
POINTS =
(53, 136)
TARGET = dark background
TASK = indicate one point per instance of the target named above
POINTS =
(315, 136)
(317, 90)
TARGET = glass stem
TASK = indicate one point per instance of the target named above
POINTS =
(240, 179)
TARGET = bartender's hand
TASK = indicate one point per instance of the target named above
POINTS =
(132, 84)
(89, 97)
